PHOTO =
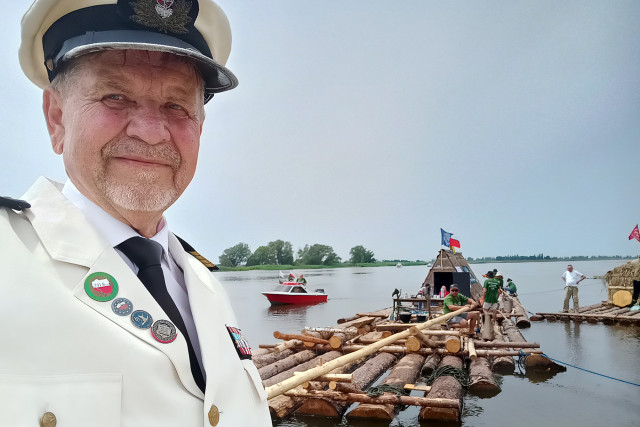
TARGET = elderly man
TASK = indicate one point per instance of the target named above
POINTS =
(109, 318)
(572, 279)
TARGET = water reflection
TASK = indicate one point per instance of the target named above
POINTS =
(572, 333)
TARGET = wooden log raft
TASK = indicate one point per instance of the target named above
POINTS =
(444, 387)
(363, 377)
(406, 371)
(290, 383)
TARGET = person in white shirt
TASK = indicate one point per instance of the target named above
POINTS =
(571, 279)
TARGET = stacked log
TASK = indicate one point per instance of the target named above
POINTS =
(444, 387)
(482, 381)
(522, 320)
(406, 371)
(501, 364)
(363, 377)
(282, 365)
(281, 406)
(265, 359)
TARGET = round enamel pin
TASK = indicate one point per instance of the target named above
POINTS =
(163, 331)
(141, 319)
(122, 306)
(101, 286)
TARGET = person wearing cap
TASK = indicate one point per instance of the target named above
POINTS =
(301, 279)
(511, 288)
(500, 278)
(103, 306)
(492, 290)
(572, 279)
(455, 301)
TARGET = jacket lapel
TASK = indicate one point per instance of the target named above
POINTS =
(69, 237)
(210, 312)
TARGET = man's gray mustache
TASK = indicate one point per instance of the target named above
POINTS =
(162, 152)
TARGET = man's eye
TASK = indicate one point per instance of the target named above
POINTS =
(115, 97)
(175, 107)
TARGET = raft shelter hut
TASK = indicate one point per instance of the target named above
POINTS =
(624, 282)
(449, 268)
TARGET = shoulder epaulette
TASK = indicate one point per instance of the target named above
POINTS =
(15, 204)
(187, 247)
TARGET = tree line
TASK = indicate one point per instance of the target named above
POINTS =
(280, 252)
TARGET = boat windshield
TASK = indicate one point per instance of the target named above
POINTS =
(282, 288)
(298, 290)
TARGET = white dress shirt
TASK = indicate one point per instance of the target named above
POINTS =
(116, 232)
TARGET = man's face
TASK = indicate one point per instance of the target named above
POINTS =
(570, 268)
(129, 129)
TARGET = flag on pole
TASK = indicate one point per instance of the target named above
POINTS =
(635, 234)
(445, 238)
(454, 243)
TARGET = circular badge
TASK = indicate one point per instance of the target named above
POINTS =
(101, 286)
(122, 306)
(141, 319)
(163, 331)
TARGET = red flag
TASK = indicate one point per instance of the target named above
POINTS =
(456, 244)
(635, 234)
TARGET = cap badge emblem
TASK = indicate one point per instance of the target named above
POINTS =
(167, 16)
(163, 7)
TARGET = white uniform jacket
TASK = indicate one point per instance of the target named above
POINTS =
(66, 353)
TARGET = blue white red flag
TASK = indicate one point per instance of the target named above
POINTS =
(445, 238)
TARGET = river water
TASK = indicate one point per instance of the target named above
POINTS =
(571, 398)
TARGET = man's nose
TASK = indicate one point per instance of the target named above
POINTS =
(148, 124)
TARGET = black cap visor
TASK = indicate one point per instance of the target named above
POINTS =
(216, 77)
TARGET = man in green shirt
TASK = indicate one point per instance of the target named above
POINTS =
(455, 301)
(511, 288)
(492, 288)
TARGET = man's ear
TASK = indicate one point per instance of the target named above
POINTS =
(52, 107)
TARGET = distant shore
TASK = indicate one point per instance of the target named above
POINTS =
(413, 263)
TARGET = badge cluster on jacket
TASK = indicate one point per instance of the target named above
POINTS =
(103, 287)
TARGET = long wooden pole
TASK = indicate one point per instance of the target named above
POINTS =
(294, 381)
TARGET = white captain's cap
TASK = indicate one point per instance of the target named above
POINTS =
(55, 31)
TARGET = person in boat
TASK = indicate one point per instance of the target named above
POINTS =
(291, 277)
(455, 301)
(301, 279)
(492, 290)
(511, 288)
(107, 306)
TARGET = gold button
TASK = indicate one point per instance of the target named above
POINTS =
(48, 420)
(214, 415)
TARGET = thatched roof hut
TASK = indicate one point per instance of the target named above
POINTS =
(622, 277)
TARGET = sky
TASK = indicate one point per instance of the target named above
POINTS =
(512, 124)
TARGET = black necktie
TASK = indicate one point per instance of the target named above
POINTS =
(147, 255)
